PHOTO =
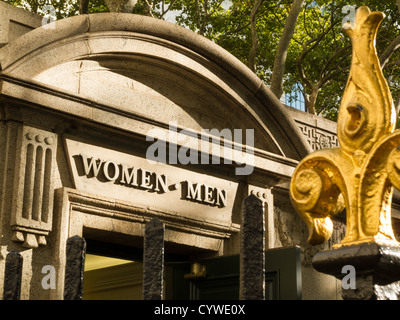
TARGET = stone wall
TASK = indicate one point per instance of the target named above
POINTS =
(291, 230)
(70, 115)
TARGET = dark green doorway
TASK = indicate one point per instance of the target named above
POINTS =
(282, 277)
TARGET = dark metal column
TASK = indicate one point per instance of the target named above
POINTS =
(153, 260)
(74, 268)
(252, 247)
(12, 276)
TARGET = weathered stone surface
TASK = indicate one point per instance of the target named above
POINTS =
(153, 260)
(76, 251)
(291, 230)
(15, 22)
(252, 247)
(12, 276)
(86, 25)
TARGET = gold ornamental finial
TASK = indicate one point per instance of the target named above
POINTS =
(361, 173)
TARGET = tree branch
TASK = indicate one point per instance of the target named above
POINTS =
(228, 33)
(397, 105)
(164, 11)
(390, 49)
(325, 70)
(283, 46)
(254, 35)
(149, 5)
(307, 48)
(332, 75)
(393, 63)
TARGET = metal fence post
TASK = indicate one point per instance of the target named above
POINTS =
(153, 260)
(252, 250)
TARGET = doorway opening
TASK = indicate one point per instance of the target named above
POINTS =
(114, 265)
(112, 272)
(108, 278)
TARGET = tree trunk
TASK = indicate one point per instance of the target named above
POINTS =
(391, 48)
(254, 36)
(388, 52)
(281, 52)
(84, 7)
(149, 8)
(311, 99)
(397, 105)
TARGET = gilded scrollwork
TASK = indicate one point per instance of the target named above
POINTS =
(366, 112)
(361, 173)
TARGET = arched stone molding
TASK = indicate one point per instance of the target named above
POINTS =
(87, 57)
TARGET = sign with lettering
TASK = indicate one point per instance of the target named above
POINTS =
(129, 177)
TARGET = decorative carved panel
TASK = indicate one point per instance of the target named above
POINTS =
(318, 138)
(32, 209)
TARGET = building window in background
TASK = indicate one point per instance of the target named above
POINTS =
(295, 99)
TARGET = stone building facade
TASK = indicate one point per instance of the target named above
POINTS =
(89, 103)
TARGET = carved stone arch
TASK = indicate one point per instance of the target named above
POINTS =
(90, 56)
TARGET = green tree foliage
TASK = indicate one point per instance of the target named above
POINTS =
(63, 8)
(319, 54)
